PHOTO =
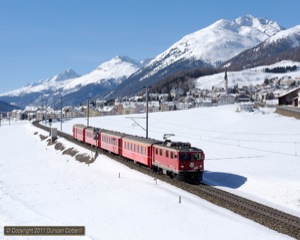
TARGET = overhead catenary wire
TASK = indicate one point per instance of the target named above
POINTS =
(241, 139)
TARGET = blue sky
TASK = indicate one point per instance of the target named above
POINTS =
(41, 38)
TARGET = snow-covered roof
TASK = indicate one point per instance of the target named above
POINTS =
(293, 90)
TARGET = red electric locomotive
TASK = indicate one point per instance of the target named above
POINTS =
(175, 159)
(180, 160)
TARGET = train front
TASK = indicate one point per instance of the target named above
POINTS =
(191, 164)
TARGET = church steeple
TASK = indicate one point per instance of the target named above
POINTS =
(226, 82)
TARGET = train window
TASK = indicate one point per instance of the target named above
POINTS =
(184, 156)
(196, 156)
(156, 151)
(172, 155)
(160, 152)
(167, 154)
(138, 149)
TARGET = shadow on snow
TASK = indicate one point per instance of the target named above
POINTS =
(221, 179)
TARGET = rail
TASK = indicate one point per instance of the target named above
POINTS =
(269, 217)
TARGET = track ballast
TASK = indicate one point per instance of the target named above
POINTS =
(269, 217)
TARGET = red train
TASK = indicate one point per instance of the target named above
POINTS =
(175, 159)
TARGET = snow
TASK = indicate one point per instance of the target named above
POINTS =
(250, 154)
(52, 83)
(254, 76)
(117, 69)
(293, 34)
(218, 42)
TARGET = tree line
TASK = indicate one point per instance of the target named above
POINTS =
(280, 69)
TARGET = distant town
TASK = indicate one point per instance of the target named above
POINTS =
(282, 93)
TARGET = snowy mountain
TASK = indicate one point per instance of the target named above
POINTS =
(219, 41)
(109, 73)
(281, 46)
(122, 76)
(209, 46)
(73, 87)
(52, 83)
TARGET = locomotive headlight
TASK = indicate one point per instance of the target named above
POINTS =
(182, 166)
(191, 165)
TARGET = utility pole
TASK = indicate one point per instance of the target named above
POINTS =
(88, 111)
(147, 108)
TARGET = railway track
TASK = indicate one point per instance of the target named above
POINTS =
(269, 217)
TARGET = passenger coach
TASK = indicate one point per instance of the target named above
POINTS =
(79, 132)
(112, 141)
(138, 149)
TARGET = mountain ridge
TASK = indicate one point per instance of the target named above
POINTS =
(209, 46)
(123, 76)
(281, 46)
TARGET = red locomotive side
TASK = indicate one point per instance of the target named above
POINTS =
(179, 160)
(79, 132)
(112, 141)
(138, 149)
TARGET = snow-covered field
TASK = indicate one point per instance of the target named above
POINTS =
(252, 76)
(256, 155)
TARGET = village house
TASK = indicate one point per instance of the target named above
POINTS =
(128, 108)
(153, 106)
(176, 93)
(167, 106)
(107, 110)
(16, 114)
(290, 98)
(226, 99)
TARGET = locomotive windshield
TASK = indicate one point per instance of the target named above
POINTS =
(196, 156)
(183, 156)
